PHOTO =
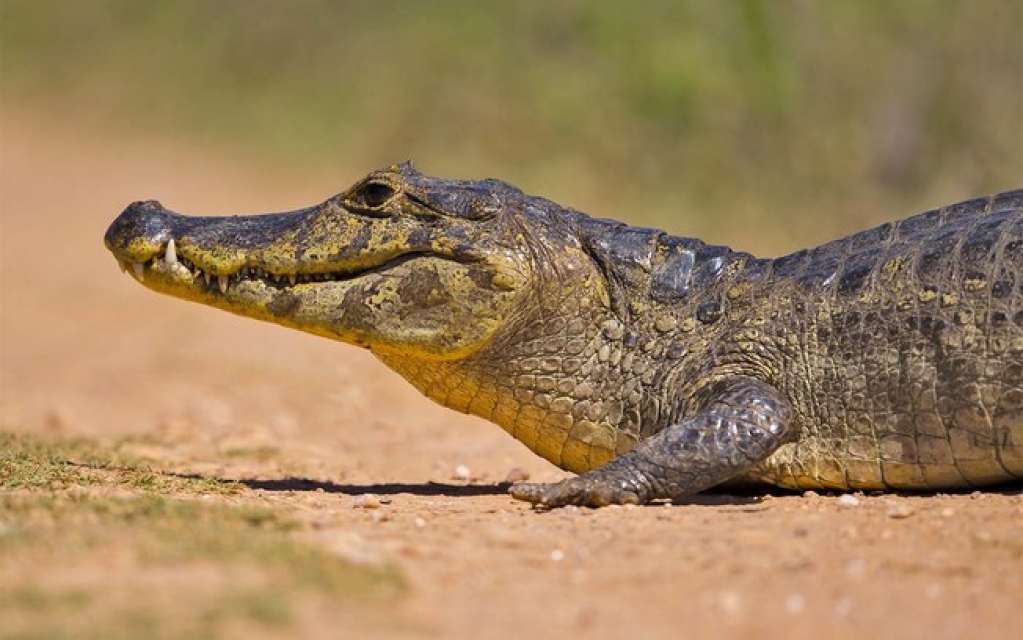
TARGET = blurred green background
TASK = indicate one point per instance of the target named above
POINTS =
(771, 124)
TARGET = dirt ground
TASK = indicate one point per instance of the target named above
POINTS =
(381, 476)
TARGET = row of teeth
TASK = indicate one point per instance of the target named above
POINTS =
(171, 260)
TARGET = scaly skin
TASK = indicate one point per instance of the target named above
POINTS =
(654, 366)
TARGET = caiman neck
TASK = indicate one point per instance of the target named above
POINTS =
(534, 380)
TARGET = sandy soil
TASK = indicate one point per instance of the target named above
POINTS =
(86, 351)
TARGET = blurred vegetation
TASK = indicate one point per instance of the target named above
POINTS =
(781, 123)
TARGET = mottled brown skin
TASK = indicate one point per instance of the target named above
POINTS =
(652, 365)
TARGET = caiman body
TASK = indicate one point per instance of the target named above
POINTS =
(654, 366)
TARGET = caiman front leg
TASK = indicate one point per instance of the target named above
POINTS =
(740, 424)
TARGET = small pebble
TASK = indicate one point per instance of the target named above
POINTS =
(900, 511)
(730, 602)
(810, 494)
(795, 603)
(856, 565)
(948, 512)
(419, 522)
(557, 555)
(462, 472)
(352, 548)
(517, 474)
(843, 608)
(848, 500)
(367, 501)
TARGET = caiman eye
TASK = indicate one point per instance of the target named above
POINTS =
(373, 195)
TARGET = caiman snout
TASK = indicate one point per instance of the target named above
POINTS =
(140, 232)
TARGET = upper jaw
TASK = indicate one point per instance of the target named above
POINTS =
(276, 251)
(170, 264)
(149, 239)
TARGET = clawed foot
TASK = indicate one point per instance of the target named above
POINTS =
(583, 491)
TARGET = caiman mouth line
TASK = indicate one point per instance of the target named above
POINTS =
(168, 262)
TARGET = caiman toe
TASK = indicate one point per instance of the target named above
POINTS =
(580, 491)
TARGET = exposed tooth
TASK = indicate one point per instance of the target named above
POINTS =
(292, 278)
(206, 276)
(222, 283)
(123, 264)
(171, 256)
(137, 268)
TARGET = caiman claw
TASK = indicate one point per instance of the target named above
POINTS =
(580, 491)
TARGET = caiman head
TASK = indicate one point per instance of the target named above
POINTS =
(403, 264)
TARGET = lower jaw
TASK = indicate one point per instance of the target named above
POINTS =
(254, 298)
(238, 295)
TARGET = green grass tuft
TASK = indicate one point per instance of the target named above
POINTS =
(96, 545)
(37, 464)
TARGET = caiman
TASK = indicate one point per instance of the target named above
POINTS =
(653, 366)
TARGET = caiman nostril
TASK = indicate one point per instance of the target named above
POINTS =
(145, 206)
(140, 227)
